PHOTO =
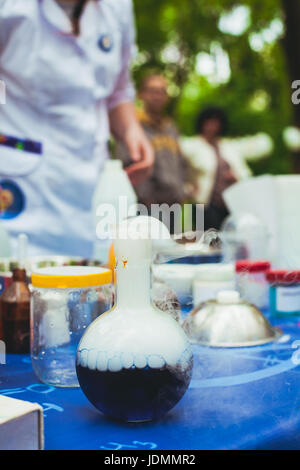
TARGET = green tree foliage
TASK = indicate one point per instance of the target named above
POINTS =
(257, 95)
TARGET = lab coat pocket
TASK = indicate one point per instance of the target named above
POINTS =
(17, 161)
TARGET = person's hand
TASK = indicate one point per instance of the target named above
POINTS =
(125, 127)
(141, 153)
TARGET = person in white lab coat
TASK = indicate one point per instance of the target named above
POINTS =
(65, 65)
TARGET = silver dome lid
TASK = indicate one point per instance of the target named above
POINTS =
(229, 321)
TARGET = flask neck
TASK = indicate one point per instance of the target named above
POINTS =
(133, 285)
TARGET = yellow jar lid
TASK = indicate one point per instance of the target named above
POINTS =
(65, 277)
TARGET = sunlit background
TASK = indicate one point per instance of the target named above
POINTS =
(233, 54)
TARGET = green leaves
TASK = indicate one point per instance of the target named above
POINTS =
(172, 33)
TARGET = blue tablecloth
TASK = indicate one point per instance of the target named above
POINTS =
(246, 398)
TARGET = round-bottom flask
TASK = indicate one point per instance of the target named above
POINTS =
(134, 363)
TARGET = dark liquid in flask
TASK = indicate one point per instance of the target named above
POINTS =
(134, 394)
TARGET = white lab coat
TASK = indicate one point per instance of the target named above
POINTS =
(236, 152)
(59, 89)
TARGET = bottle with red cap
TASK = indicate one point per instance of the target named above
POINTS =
(284, 291)
(251, 281)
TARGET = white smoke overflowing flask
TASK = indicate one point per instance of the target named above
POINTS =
(134, 363)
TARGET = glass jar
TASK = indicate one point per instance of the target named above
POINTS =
(251, 282)
(65, 300)
(244, 237)
(284, 292)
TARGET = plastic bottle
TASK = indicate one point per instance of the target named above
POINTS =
(5, 246)
(114, 200)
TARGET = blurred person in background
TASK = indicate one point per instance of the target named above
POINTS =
(171, 180)
(220, 161)
(65, 64)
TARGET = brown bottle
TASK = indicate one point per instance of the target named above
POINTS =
(15, 312)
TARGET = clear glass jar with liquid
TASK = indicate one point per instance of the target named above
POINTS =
(64, 302)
